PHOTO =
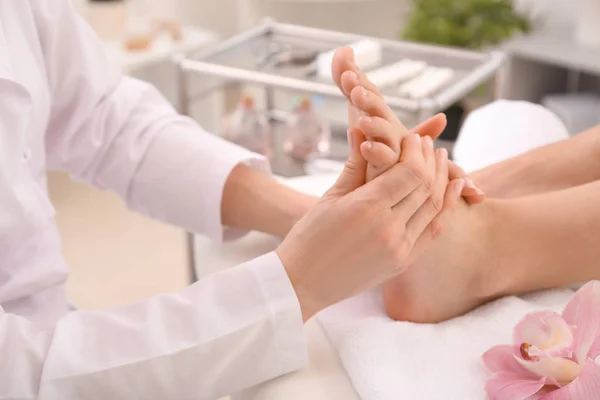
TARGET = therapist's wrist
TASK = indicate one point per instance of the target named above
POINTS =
(295, 209)
(253, 200)
(292, 263)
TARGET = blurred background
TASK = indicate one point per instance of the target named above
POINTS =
(552, 56)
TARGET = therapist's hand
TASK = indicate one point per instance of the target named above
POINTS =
(359, 235)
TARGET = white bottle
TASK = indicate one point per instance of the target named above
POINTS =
(307, 132)
(249, 128)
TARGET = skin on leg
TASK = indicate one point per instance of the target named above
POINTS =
(510, 246)
(501, 247)
(560, 165)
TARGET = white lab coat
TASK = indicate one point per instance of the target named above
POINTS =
(64, 106)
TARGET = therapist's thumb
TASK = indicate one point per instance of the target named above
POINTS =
(354, 174)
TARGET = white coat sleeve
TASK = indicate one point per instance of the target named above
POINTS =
(119, 133)
(223, 334)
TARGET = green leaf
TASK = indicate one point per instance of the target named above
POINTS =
(465, 23)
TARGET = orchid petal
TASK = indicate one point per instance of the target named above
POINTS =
(583, 311)
(502, 359)
(561, 369)
(547, 332)
(586, 386)
(594, 352)
(507, 386)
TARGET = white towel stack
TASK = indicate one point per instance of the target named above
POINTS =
(368, 54)
(427, 83)
(417, 79)
(395, 73)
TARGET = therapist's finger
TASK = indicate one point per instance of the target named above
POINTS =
(354, 174)
(471, 192)
(435, 228)
(429, 156)
(432, 127)
(391, 187)
(411, 152)
(452, 196)
(412, 203)
(435, 203)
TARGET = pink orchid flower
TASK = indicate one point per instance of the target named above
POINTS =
(553, 356)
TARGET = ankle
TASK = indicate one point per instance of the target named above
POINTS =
(494, 280)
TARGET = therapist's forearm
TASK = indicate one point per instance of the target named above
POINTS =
(253, 200)
(557, 166)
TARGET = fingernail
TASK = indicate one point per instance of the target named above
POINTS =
(418, 137)
(365, 93)
(368, 145)
(444, 153)
(471, 185)
(366, 119)
(349, 135)
(459, 188)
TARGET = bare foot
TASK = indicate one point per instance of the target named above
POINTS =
(368, 113)
(453, 275)
(385, 150)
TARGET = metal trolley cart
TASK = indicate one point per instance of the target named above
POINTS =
(278, 60)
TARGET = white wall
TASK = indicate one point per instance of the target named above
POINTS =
(554, 13)
(386, 18)
(382, 18)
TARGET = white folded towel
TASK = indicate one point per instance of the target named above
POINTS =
(427, 83)
(389, 360)
(395, 73)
